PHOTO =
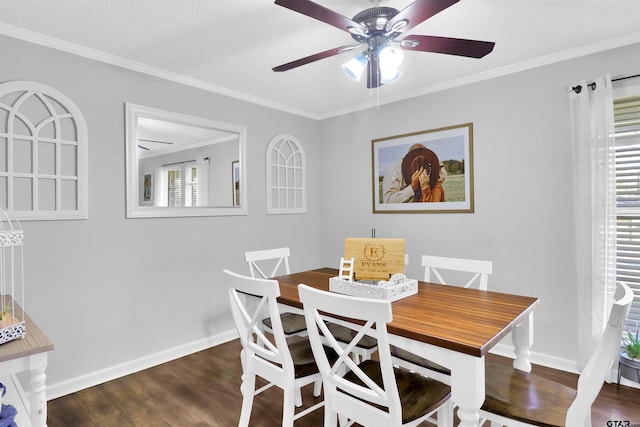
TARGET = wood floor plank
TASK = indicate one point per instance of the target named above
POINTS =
(203, 390)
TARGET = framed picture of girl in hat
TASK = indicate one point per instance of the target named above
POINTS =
(427, 171)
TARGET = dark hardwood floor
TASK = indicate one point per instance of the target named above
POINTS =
(203, 389)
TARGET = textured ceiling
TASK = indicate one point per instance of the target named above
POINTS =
(230, 46)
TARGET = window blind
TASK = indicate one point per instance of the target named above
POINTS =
(175, 188)
(626, 112)
(191, 187)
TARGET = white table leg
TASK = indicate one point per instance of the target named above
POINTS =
(38, 401)
(522, 337)
(467, 387)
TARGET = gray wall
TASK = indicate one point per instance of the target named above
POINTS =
(100, 288)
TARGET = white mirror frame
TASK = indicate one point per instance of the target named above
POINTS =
(134, 210)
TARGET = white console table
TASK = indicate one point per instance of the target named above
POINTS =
(26, 354)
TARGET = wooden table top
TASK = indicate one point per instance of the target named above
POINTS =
(34, 341)
(464, 320)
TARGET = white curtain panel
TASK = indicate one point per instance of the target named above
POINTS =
(160, 187)
(594, 209)
(202, 164)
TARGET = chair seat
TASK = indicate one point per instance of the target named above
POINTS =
(418, 395)
(344, 334)
(302, 356)
(292, 323)
(417, 360)
(525, 396)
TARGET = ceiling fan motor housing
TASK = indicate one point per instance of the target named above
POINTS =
(375, 20)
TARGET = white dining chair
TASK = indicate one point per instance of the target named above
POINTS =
(373, 392)
(276, 261)
(284, 362)
(468, 273)
(517, 398)
(366, 347)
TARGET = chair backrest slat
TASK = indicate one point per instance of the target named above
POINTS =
(479, 270)
(257, 259)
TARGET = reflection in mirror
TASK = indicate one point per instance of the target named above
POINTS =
(180, 165)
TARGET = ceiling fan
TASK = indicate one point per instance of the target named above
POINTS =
(153, 141)
(379, 30)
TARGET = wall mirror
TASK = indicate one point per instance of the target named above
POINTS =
(180, 165)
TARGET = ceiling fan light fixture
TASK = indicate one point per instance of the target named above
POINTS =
(390, 59)
(387, 76)
(355, 66)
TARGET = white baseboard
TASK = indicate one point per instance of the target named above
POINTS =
(75, 384)
(560, 364)
(506, 350)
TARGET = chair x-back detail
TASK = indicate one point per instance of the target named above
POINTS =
(373, 392)
(285, 362)
(259, 261)
(517, 398)
(449, 271)
(435, 267)
(277, 261)
(365, 348)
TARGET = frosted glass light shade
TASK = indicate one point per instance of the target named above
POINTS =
(390, 60)
(355, 66)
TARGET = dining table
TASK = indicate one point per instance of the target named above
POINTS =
(453, 326)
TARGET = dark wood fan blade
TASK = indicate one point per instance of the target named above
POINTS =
(320, 13)
(312, 58)
(373, 72)
(419, 11)
(156, 141)
(449, 46)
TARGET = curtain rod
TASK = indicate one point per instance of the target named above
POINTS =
(592, 85)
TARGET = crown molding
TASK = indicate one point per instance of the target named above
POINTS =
(101, 56)
(98, 55)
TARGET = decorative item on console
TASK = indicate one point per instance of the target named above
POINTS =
(12, 324)
(7, 412)
(629, 361)
(373, 268)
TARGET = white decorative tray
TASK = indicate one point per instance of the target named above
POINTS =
(386, 291)
(12, 332)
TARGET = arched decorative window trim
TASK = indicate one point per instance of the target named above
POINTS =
(286, 176)
(45, 94)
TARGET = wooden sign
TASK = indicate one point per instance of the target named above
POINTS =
(375, 259)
